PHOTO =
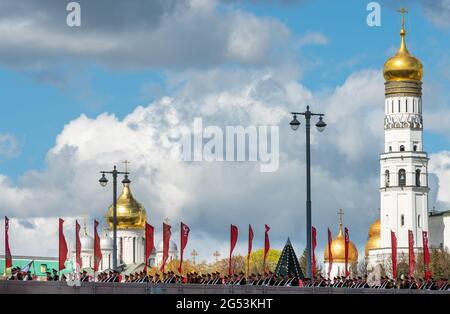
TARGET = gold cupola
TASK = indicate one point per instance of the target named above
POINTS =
(403, 66)
(373, 241)
(130, 213)
(338, 248)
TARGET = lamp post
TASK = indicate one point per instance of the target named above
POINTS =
(295, 124)
(103, 182)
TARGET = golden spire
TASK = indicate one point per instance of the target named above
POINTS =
(126, 162)
(85, 224)
(340, 214)
(403, 48)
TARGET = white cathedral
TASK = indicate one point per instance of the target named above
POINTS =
(131, 218)
(403, 176)
(403, 168)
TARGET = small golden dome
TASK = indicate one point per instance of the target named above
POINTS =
(403, 66)
(373, 241)
(338, 249)
(130, 213)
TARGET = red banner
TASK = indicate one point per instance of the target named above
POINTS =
(347, 240)
(97, 248)
(250, 243)
(8, 257)
(62, 246)
(394, 254)
(233, 240)
(266, 245)
(149, 243)
(330, 255)
(166, 242)
(426, 256)
(78, 259)
(184, 235)
(314, 244)
(412, 258)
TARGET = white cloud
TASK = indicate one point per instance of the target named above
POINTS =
(156, 34)
(9, 146)
(312, 38)
(440, 166)
(211, 196)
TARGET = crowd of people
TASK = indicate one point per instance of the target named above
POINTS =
(271, 279)
(265, 279)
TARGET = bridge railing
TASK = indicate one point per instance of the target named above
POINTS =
(51, 287)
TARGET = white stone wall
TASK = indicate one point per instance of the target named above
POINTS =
(133, 245)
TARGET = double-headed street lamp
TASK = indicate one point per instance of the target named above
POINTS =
(103, 182)
(295, 124)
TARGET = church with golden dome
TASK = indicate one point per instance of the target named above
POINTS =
(403, 184)
(131, 219)
(338, 254)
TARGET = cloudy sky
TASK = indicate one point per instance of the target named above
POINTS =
(78, 100)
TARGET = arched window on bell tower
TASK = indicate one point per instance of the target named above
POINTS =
(402, 177)
(402, 148)
(387, 178)
(418, 177)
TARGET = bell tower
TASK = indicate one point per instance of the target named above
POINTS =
(404, 163)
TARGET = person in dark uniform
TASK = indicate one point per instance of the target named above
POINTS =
(55, 275)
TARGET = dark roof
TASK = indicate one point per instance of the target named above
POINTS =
(439, 213)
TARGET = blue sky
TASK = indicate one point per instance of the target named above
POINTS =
(51, 74)
(35, 110)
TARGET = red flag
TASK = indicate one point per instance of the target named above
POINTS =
(412, 259)
(426, 255)
(314, 244)
(184, 235)
(62, 246)
(233, 240)
(78, 259)
(347, 240)
(250, 243)
(166, 242)
(149, 243)
(266, 245)
(97, 248)
(8, 257)
(330, 255)
(394, 254)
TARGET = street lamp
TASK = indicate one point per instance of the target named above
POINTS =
(320, 125)
(103, 182)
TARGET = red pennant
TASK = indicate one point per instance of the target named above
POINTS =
(347, 241)
(78, 259)
(426, 256)
(233, 240)
(184, 235)
(8, 257)
(266, 245)
(314, 244)
(149, 243)
(330, 255)
(97, 248)
(412, 258)
(250, 244)
(394, 254)
(166, 242)
(62, 246)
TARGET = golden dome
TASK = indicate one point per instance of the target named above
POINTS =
(403, 66)
(130, 213)
(338, 249)
(373, 241)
